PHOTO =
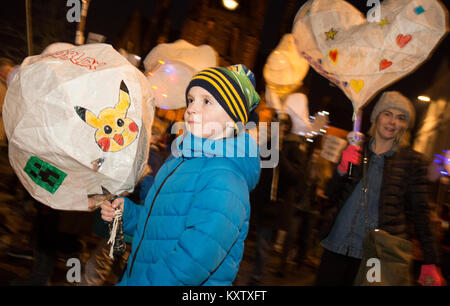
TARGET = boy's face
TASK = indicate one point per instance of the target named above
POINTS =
(205, 117)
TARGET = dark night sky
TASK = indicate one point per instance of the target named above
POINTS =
(110, 17)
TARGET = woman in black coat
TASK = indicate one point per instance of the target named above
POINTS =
(397, 196)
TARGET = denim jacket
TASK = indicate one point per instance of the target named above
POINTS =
(348, 232)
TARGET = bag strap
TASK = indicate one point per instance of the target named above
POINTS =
(365, 189)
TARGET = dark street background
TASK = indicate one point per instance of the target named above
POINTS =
(247, 36)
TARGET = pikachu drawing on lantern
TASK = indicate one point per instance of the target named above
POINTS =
(114, 130)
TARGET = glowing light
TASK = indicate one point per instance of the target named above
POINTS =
(326, 113)
(161, 62)
(168, 69)
(164, 95)
(439, 159)
(310, 140)
(154, 87)
(424, 98)
(230, 4)
(323, 131)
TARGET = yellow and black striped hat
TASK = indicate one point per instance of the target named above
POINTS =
(232, 87)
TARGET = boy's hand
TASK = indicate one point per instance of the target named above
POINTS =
(108, 209)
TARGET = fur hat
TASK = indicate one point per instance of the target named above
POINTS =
(394, 99)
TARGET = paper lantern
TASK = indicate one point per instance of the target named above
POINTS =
(285, 70)
(168, 81)
(363, 57)
(78, 120)
(57, 46)
(170, 67)
(296, 106)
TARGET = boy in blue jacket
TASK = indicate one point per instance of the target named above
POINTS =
(192, 228)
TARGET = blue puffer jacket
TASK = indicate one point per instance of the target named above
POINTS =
(192, 228)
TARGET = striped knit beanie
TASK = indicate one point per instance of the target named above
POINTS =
(233, 87)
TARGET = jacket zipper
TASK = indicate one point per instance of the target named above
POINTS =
(148, 216)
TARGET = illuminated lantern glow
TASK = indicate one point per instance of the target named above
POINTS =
(363, 57)
(284, 69)
(230, 4)
(65, 143)
(170, 67)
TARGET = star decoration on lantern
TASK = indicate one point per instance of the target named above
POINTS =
(383, 22)
(419, 10)
(331, 33)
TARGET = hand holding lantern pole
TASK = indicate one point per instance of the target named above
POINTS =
(355, 138)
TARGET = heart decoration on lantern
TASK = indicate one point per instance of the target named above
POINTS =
(363, 57)
(385, 64)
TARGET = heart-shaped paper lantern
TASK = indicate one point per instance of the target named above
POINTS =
(285, 70)
(78, 120)
(363, 57)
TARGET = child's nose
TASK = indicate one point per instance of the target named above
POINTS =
(192, 108)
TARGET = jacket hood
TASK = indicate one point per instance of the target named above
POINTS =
(241, 150)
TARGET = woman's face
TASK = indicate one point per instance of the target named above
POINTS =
(391, 123)
(205, 117)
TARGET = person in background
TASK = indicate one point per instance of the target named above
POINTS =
(6, 66)
(8, 176)
(274, 202)
(310, 209)
(397, 196)
(155, 161)
(264, 211)
(291, 187)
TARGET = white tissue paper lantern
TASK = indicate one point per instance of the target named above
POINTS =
(360, 56)
(285, 69)
(169, 68)
(296, 106)
(168, 81)
(78, 121)
(57, 46)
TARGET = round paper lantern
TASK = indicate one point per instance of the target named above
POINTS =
(78, 121)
